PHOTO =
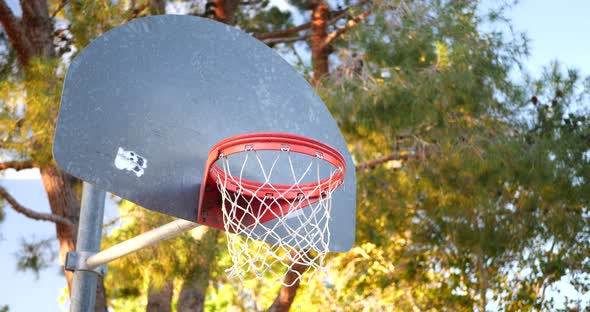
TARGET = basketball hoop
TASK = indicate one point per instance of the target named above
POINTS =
(276, 208)
(266, 231)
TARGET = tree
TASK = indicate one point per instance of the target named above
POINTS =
(256, 18)
(473, 196)
(451, 215)
(151, 275)
(39, 45)
(30, 78)
(554, 197)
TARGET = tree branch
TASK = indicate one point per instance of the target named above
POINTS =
(350, 24)
(370, 164)
(59, 8)
(17, 165)
(14, 30)
(286, 294)
(225, 11)
(337, 15)
(251, 2)
(283, 33)
(30, 213)
(286, 40)
(134, 12)
(420, 153)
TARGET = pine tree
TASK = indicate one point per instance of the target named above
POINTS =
(464, 183)
(39, 45)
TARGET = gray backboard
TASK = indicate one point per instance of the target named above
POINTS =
(162, 91)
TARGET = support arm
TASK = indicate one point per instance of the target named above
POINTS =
(142, 241)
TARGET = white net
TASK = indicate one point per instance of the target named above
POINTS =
(270, 232)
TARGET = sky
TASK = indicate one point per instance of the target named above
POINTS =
(557, 30)
(25, 292)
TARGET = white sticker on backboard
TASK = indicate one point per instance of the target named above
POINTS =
(130, 161)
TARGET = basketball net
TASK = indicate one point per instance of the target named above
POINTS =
(292, 241)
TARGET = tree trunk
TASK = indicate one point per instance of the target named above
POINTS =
(225, 10)
(101, 296)
(320, 15)
(63, 202)
(160, 298)
(37, 27)
(157, 7)
(286, 295)
(194, 288)
(192, 295)
(483, 280)
(33, 36)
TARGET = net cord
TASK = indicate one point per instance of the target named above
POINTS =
(263, 248)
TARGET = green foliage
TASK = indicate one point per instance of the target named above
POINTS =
(233, 295)
(469, 222)
(300, 4)
(490, 209)
(28, 111)
(493, 208)
(4, 308)
(438, 63)
(553, 190)
(35, 255)
(262, 18)
(90, 19)
(181, 259)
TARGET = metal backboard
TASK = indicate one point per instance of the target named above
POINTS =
(143, 104)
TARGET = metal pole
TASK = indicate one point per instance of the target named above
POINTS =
(83, 295)
(88, 258)
(144, 240)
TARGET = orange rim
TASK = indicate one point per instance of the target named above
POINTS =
(268, 141)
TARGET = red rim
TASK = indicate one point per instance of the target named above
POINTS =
(269, 141)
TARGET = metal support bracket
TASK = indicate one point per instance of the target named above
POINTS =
(76, 261)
